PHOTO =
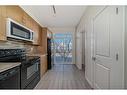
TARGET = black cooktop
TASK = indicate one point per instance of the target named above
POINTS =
(16, 55)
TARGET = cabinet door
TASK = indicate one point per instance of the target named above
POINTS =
(49, 34)
(44, 40)
(27, 21)
(40, 36)
(43, 64)
(2, 11)
(2, 23)
(36, 32)
(2, 28)
(15, 13)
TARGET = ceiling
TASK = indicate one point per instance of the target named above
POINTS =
(66, 16)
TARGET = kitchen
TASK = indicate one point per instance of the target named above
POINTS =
(23, 49)
(98, 40)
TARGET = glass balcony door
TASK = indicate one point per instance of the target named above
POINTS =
(63, 49)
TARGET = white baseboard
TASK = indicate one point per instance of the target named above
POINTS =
(90, 83)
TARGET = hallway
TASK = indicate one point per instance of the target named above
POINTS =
(63, 77)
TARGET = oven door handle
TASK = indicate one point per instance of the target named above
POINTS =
(31, 63)
(9, 74)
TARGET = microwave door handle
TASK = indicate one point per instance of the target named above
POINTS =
(31, 35)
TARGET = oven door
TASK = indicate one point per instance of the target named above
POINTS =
(10, 79)
(29, 73)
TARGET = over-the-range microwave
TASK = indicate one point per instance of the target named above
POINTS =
(18, 31)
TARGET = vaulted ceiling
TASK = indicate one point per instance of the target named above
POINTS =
(55, 16)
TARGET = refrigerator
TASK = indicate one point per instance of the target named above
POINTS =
(49, 53)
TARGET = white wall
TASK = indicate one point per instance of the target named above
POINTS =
(86, 26)
(78, 50)
(66, 30)
(62, 29)
(125, 48)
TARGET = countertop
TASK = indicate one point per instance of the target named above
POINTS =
(8, 65)
(37, 55)
(5, 66)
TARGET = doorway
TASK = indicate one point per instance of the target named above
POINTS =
(62, 48)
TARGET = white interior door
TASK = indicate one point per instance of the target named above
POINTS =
(108, 48)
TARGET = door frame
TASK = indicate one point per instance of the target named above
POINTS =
(83, 47)
(93, 45)
(79, 49)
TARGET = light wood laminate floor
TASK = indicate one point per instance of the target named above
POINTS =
(63, 77)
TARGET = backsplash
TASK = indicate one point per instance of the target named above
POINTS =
(10, 45)
(30, 49)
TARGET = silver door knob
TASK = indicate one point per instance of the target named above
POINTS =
(93, 58)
